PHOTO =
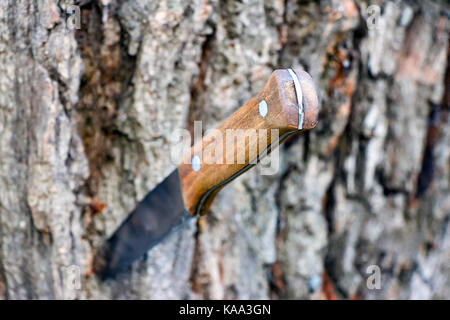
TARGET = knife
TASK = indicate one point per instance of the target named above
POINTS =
(287, 103)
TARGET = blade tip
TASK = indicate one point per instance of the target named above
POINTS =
(102, 264)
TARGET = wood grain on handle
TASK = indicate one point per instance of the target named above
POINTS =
(200, 186)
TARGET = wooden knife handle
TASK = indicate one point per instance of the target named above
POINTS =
(220, 156)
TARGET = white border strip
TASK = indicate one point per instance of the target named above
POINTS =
(299, 94)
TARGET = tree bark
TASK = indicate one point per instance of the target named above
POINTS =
(86, 117)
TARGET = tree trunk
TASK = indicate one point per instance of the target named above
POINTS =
(86, 117)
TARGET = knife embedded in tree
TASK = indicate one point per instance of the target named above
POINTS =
(287, 103)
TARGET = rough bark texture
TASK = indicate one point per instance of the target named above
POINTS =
(85, 123)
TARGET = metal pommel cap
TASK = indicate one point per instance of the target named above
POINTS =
(308, 102)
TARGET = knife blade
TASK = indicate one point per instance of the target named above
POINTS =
(159, 214)
(287, 103)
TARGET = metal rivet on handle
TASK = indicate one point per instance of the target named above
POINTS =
(262, 108)
(196, 163)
